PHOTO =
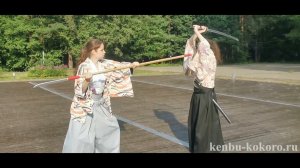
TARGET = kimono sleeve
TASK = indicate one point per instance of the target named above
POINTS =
(188, 63)
(78, 82)
(202, 67)
(120, 82)
(204, 47)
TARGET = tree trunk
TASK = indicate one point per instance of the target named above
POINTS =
(70, 61)
(242, 23)
(256, 51)
(242, 29)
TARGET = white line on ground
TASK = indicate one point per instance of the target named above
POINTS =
(153, 131)
(223, 94)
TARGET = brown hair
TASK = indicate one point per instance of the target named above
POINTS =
(194, 41)
(87, 49)
(216, 49)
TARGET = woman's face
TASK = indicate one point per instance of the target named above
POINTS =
(99, 53)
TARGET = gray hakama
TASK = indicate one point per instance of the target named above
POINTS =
(100, 133)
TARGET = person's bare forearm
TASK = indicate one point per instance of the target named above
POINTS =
(199, 31)
(199, 35)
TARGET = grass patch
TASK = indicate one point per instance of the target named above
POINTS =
(48, 71)
(164, 65)
(23, 76)
(138, 72)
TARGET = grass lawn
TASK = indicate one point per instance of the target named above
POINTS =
(164, 65)
(23, 76)
(138, 72)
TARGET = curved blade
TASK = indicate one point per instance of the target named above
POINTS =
(223, 34)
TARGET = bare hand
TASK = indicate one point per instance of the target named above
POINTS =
(199, 29)
(196, 27)
(88, 76)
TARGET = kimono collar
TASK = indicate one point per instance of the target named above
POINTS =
(94, 67)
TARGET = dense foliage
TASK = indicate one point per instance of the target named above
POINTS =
(28, 41)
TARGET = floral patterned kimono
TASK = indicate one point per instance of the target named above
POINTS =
(93, 127)
(204, 128)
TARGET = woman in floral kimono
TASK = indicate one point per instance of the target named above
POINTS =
(204, 128)
(93, 127)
